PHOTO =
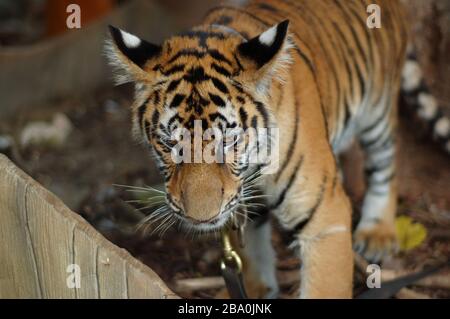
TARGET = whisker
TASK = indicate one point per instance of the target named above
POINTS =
(163, 223)
(139, 188)
(256, 196)
(156, 215)
(140, 201)
(253, 205)
(150, 206)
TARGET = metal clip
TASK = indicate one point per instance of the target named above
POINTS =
(229, 255)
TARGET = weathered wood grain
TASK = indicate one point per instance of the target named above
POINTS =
(41, 237)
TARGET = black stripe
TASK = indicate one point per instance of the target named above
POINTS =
(223, 20)
(147, 129)
(260, 107)
(289, 184)
(311, 66)
(217, 100)
(292, 143)
(220, 85)
(141, 110)
(196, 75)
(366, 31)
(320, 197)
(217, 115)
(369, 143)
(155, 119)
(384, 113)
(218, 56)
(384, 180)
(220, 70)
(240, 66)
(370, 170)
(388, 141)
(244, 116)
(254, 122)
(267, 7)
(235, 9)
(356, 38)
(174, 69)
(173, 119)
(187, 52)
(326, 52)
(262, 217)
(348, 68)
(156, 98)
(202, 36)
(173, 85)
(176, 101)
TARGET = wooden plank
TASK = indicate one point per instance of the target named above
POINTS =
(52, 240)
(18, 271)
(139, 287)
(41, 237)
(85, 257)
(112, 276)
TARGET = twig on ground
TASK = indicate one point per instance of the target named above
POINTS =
(196, 284)
(433, 281)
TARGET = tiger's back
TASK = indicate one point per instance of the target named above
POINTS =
(351, 64)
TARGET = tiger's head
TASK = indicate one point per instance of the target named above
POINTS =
(207, 79)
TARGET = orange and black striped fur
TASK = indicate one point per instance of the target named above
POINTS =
(314, 70)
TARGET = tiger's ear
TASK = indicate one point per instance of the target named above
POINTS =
(129, 54)
(263, 55)
(263, 48)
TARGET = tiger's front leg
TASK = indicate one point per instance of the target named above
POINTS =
(260, 261)
(325, 248)
(375, 234)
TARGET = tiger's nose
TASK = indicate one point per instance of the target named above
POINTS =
(201, 203)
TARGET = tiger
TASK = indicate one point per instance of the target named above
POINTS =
(315, 71)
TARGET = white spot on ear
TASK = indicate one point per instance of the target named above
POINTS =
(428, 106)
(267, 37)
(130, 40)
(442, 127)
(412, 75)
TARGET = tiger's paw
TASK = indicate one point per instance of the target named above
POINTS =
(376, 240)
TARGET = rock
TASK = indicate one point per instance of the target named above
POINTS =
(6, 143)
(111, 106)
(52, 134)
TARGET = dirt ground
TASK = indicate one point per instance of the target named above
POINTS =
(100, 152)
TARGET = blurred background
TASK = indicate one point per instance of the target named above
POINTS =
(63, 122)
